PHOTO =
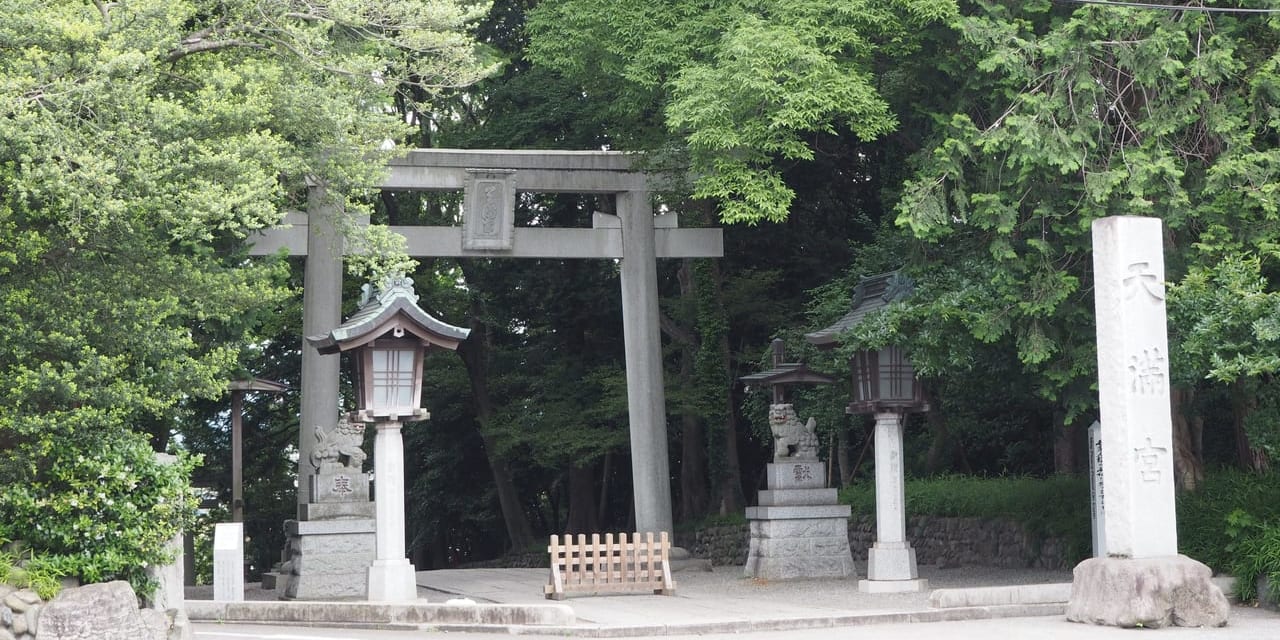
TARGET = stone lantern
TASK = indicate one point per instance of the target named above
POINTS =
(388, 337)
(884, 385)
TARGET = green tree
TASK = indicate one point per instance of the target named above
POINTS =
(1067, 114)
(139, 143)
(736, 88)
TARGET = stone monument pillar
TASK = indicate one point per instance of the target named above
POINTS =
(799, 530)
(1142, 581)
(331, 544)
(891, 561)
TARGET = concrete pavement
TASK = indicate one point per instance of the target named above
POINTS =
(1246, 624)
(721, 601)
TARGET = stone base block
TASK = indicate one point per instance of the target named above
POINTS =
(343, 485)
(392, 581)
(893, 586)
(800, 474)
(799, 548)
(1146, 592)
(799, 497)
(336, 511)
(329, 586)
(892, 562)
(811, 512)
(328, 559)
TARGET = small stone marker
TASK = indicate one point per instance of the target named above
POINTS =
(1141, 581)
(228, 562)
(1097, 496)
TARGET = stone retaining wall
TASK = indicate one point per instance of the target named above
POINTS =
(946, 542)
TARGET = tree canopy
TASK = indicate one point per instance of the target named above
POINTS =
(969, 143)
(141, 141)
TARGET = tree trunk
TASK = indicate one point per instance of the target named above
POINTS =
(939, 456)
(1244, 400)
(842, 454)
(732, 499)
(602, 508)
(475, 358)
(1064, 443)
(582, 501)
(1188, 458)
(693, 443)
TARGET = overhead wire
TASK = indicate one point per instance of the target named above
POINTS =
(1169, 7)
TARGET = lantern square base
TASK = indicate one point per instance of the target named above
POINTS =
(893, 586)
(392, 581)
(891, 561)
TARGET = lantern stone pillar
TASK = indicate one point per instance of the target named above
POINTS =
(391, 576)
(891, 561)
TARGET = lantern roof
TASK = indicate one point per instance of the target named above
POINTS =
(390, 307)
(871, 294)
(258, 384)
(786, 373)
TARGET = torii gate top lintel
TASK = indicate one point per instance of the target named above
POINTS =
(540, 171)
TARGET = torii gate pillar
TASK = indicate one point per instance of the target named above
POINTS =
(646, 396)
(321, 312)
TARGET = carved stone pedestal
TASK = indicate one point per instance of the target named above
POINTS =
(329, 548)
(799, 530)
(329, 559)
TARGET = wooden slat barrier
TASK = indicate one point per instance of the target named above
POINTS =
(610, 567)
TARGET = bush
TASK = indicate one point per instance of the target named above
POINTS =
(1203, 515)
(1254, 550)
(1053, 507)
(97, 513)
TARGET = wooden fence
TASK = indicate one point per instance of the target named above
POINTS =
(610, 566)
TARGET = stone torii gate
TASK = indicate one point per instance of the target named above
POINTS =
(490, 180)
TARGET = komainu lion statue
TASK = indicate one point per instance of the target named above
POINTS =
(791, 439)
(339, 448)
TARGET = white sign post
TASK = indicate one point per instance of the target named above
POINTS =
(228, 561)
(1097, 496)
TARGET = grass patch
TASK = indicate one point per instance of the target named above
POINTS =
(714, 520)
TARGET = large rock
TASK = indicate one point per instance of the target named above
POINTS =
(1147, 592)
(106, 611)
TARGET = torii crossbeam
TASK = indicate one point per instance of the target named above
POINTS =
(490, 180)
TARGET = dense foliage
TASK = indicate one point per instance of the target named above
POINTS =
(970, 143)
(139, 143)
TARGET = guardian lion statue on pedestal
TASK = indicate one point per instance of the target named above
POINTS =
(340, 448)
(791, 439)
